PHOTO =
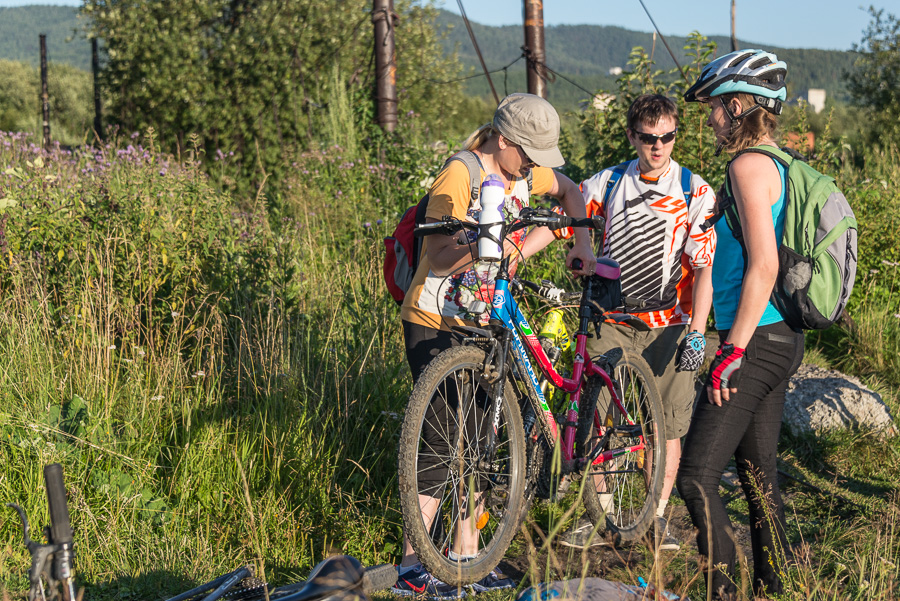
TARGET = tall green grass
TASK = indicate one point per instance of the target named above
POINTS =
(222, 379)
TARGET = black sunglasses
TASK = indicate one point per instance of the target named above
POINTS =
(650, 139)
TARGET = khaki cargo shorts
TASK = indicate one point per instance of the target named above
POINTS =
(658, 348)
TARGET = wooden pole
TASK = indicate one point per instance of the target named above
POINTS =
(535, 54)
(45, 96)
(384, 19)
(95, 69)
(734, 43)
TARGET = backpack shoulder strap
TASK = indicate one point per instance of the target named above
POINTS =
(614, 178)
(775, 154)
(530, 179)
(470, 160)
(686, 185)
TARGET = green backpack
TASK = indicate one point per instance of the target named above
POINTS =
(817, 257)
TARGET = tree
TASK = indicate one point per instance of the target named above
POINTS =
(256, 77)
(874, 81)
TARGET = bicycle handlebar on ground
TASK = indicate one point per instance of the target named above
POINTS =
(52, 562)
(338, 578)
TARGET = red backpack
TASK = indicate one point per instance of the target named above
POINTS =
(403, 249)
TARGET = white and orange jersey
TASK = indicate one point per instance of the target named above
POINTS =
(657, 236)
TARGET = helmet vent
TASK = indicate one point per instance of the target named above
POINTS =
(761, 62)
(740, 58)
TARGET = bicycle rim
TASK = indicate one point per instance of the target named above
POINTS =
(445, 467)
(622, 494)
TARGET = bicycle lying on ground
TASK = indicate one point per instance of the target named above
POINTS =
(469, 463)
(338, 578)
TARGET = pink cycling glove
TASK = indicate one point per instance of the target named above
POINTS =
(723, 372)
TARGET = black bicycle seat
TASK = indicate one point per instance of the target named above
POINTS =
(337, 578)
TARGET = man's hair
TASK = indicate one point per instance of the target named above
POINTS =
(649, 109)
(750, 130)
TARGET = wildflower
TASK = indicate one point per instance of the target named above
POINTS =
(378, 222)
(158, 397)
(897, 315)
(200, 373)
(890, 263)
(112, 347)
(175, 314)
(367, 225)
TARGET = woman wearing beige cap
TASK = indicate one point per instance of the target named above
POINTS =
(451, 287)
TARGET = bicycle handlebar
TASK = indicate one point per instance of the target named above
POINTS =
(527, 217)
(60, 525)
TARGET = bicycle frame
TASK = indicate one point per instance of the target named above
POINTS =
(505, 309)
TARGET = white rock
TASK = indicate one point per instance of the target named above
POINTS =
(819, 400)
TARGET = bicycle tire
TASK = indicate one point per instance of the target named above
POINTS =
(635, 493)
(455, 380)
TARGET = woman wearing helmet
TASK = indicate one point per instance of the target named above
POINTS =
(739, 411)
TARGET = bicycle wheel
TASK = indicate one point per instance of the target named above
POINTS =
(622, 494)
(456, 494)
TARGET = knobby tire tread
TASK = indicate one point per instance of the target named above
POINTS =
(438, 564)
(634, 527)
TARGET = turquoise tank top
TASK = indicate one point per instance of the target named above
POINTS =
(728, 268)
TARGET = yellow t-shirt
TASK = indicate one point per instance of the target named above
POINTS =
(442, 301)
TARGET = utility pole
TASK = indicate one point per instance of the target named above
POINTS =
(45, 96)
(734, 44)
(535, 55)
(95, 68)
(384, 18)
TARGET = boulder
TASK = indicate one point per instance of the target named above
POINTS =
(819, 400)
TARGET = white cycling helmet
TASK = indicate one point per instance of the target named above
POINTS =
(754, 72)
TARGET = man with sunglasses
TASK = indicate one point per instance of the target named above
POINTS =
(656, 228)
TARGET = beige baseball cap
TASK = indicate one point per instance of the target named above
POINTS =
(532, 123)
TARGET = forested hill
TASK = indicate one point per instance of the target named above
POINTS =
(582, 53)
(21, 26)
(586, 53)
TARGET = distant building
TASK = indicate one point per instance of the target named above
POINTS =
(816, 99)
(615, 71)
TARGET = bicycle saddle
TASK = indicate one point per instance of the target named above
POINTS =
(338, 578)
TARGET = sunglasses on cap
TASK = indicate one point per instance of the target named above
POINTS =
(650, 139)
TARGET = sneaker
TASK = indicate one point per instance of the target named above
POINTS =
(663, 538)
(418, 581)
(582, 535)
(494, 581)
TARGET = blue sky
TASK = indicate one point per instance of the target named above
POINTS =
(830, 24)
(833, 24)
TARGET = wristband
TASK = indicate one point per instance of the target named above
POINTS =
(724, 371)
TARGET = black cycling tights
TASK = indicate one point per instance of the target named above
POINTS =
(746, 428)
(439, 428)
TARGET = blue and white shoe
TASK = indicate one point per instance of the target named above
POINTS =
(417, 582)
(494, 581)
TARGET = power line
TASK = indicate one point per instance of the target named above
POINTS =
(462, 11)
(663, 38)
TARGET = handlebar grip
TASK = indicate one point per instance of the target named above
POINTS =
(60, 526)
(595, 223)
(379, 578)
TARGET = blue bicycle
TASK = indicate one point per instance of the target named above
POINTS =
(479, 432)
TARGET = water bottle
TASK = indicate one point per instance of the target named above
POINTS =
(490, 246)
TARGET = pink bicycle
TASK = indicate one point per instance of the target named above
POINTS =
(479, 436)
